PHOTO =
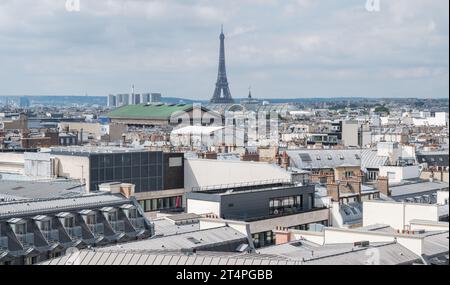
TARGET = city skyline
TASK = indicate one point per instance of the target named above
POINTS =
(308, 50)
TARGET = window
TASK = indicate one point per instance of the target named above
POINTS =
(285, 205)
(112, 217)
(152, 205)
(20, 229)
(91, 219)
(46, 225)
(348, 174)
(69, 222)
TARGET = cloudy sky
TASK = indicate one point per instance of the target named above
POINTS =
(281, 48)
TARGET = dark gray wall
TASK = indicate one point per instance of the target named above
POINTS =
(249, 205)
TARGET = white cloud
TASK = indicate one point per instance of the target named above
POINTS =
(110, 42)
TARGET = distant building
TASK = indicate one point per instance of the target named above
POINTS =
(155, 98)
(24, 102)
(119, 100)
(112, 102)
(159, 115)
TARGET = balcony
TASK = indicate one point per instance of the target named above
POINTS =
(51, 235)
(118, 226)
(74, 232)
(3, 242)
(96, 229)
(138, 223)
(26, 239)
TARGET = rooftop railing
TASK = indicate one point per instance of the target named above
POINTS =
(231, 186)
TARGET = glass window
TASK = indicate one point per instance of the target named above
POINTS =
(154, 204)
(126, 159)
(69, 222)
(148, 205)
(91, 219)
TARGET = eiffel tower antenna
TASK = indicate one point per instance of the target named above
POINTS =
(222, 94)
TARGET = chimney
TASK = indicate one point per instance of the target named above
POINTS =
(330, 179)
(282, 235)
(383, 185)
(285, 160)
(127, 190)
(333, 191)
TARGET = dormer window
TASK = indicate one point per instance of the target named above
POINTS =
(46, 225)
(112, 216)
(91, 219)
(69, 222)
(20, 229)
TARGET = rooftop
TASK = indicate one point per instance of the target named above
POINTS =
(148, 111)
(21, 190)
(149, 257)
(200, 239)
(228, 189)
(325, 158)
(410, 188)
(342, 254)
(88, 150)
(43, 206)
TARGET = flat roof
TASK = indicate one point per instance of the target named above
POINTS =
(19, 190)
(90, 150)
(195, 239)
(245, 187)
(147, 111)
(416, 187)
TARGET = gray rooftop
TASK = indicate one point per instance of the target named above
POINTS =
(324, 158)
(197, 239)
(166, 227)
(89, 150)
(40, 207)
(416, 187)
(120, 257)
(342, 254)
(20, 190)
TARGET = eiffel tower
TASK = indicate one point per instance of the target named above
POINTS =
(222, 93)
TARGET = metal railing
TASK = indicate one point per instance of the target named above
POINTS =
(138, 223)
(118, 226)
(51, 235)
(96, 229)
(74, 232)
(26, 239)
(241, 185)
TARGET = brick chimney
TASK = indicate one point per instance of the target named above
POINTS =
(383, 185)
(333, 191)
(285, 160)
(282, 235)
(330, 178)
